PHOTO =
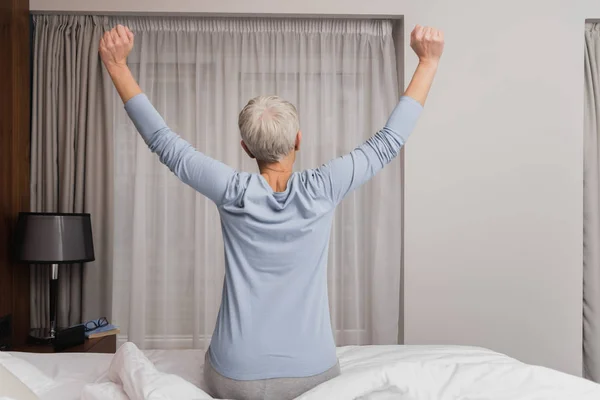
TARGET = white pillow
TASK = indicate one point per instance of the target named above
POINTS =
(12, 387)
(27, 373)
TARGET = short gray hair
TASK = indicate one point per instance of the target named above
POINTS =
(269, 126)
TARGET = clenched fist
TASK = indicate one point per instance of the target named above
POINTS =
(115, 46)
(428, 43)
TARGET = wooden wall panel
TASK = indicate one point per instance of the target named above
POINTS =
(14, 156)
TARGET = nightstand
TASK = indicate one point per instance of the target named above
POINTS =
(106, 344)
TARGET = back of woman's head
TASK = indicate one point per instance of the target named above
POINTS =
(269, 126)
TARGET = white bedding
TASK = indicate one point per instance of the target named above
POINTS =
(13, 387)
(368, 373)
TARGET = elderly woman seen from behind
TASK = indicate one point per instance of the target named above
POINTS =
(273, 337)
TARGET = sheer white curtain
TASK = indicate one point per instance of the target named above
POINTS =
(199, 73)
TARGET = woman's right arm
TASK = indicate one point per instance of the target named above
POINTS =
(428, 45)
(346, 173)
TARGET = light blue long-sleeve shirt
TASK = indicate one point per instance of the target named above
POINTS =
(274, 318)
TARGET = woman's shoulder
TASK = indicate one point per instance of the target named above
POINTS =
(314, 181)
(237, 186)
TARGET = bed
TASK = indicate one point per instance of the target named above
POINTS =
(368, 373)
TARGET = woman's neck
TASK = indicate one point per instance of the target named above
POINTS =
(277, 174)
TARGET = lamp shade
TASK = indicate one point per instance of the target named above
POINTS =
(54, 238)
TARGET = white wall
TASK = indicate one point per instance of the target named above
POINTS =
(493, 174)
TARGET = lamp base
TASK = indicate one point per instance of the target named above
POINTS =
(42, 336)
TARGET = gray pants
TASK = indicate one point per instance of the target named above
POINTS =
(265, 389)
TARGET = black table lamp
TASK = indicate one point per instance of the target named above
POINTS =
(53, 238)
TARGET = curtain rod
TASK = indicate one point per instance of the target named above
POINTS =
(215, 15)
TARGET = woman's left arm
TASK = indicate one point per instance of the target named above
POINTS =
(206, 175)
(115, 46)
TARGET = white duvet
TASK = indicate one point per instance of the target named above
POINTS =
(368, 373)
(445, 373)
(132, 376)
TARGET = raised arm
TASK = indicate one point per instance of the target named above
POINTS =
(428, 45)
(346, 173)
(207, 176)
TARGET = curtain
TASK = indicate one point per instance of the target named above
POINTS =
(591, 206)
(72, 159)
(199, 73)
